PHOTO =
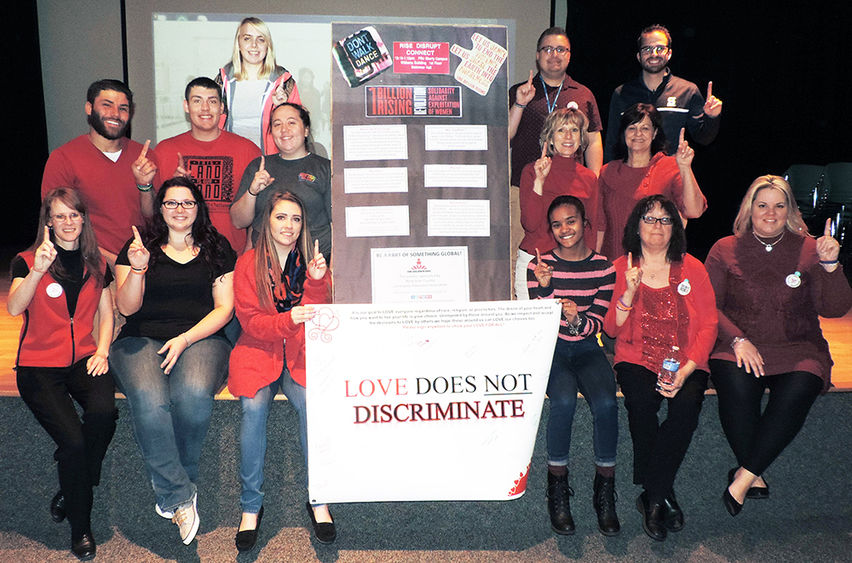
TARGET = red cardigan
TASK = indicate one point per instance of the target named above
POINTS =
(700, 306)
(258, 357)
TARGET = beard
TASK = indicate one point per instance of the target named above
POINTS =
(97, 123)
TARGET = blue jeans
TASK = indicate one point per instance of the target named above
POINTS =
(170, 413)
(581, 365)
(253, 436)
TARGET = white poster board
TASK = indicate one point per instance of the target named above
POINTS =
(410, 402)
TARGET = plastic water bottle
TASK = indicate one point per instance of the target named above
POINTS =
(669, 368)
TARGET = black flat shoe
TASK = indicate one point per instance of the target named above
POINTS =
(246, 539)
(731, 504)
(57, 507)
(84, 548)
(653, 517)
(324, 531)
(674, 515)
(754, 493)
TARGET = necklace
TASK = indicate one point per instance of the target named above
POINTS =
(551, 107)
(769, 245)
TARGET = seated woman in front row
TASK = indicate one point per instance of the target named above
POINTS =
(664, 310)
(772, 283)
(175, 287)
(60, 287)
(275, 283)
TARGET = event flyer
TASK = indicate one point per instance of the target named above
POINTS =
(444, 390)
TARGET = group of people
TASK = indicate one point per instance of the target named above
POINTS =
(608, 241)
(218, 269)
(214, 274)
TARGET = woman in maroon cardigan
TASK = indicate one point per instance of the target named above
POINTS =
(772, 282)
(274, 285)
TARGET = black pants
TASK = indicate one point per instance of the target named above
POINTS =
(659, 448)
(80, 444)
(758, 438)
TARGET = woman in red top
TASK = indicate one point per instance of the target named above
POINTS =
(773, 281)
(559, 171)
(663, 299)
(59, 285)
(641, 168)
(274, 285)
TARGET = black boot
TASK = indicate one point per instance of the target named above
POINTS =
(653, 517)
(604, 503)
(558, 504)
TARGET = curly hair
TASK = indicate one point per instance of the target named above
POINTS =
(631, 241)
(92, 260)
(203, 235)
(635, 114)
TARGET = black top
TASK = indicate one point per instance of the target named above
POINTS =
(72, 263)
(176, 296)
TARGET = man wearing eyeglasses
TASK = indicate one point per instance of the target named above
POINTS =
(532, 101)
(212, 158)
(111, 172)
(679, 101)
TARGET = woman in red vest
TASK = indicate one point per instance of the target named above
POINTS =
(60, 285)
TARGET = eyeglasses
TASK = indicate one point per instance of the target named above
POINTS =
(186, 204)
(61, 218)
(661, 220)
(655, 49)
(549, 49)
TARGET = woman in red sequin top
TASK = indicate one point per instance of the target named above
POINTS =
(663, 298)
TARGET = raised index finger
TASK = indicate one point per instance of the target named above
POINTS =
(682, 131)
(529, 80)
(629, 260)
(145, 148)
(47, 233)
(316, 247)
(136, 237)
(262, 164)
(709, 89)
(828, 227)
(544, 150)
(537, 256)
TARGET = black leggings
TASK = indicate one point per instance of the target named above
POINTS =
(758, 438)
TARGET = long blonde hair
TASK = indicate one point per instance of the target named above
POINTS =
(563, 116)
(795, 224)
(266, 261)
(237, 59)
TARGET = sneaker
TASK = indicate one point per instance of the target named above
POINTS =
(186, 518)
(167, 514)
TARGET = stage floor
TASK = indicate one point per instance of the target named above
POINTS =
(838, 332)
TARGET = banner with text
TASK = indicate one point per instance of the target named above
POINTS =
(410, 402)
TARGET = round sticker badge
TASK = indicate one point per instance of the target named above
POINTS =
(684, 288)
(54, 290)
(794, 280)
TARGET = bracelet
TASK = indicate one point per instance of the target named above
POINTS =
(251, 193)
(828, 262)
(622, 306)
(145, 188)
(737, 340)
(522, 106)
(139, 271)
(185, 339)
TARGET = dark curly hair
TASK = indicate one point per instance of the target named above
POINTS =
(205, 237)
(635, 114)
(631, 241)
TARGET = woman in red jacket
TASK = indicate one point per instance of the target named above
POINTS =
(59, 285)
(274, 285)
(664, 309)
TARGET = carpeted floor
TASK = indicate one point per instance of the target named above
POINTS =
(808, 518)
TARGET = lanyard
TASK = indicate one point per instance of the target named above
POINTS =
(551, 107)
